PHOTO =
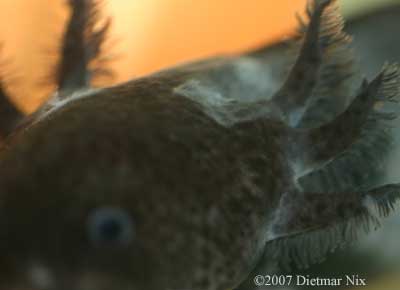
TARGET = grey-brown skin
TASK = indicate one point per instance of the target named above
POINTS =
(183, 178)
(202, 167)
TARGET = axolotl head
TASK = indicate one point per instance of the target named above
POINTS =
(110, 200)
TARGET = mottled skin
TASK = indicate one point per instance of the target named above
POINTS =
(213, 173)
(184, 179)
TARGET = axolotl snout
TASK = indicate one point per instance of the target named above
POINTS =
(189, 178)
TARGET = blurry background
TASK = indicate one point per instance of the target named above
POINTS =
(148, 35)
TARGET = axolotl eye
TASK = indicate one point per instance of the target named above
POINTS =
(110, 226)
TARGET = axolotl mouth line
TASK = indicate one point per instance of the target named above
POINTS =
(198, 176)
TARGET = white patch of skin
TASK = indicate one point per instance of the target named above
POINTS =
(58, 101)
(370, 205)
(203, 93)
(295, 117)
(279, 217)
(299, 166)
(270, 234)
(254, 73)
(243, 79)
(299, 169)
(236, 91)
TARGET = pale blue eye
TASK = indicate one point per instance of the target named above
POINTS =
(110, 226)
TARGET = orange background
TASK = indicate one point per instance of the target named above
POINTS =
(147, 35)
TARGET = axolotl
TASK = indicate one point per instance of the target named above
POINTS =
(189, 178)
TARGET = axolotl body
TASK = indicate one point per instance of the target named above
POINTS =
(191, 177)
